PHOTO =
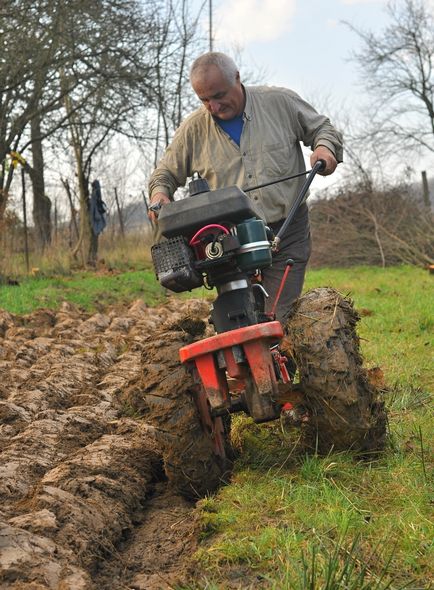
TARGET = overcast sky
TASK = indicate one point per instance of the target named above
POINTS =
(303, 45)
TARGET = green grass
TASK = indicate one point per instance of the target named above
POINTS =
(271, 520)
(291, 522)
(87, 290)
(397, 327)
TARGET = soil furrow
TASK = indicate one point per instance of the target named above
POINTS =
(157, 553)
(81, 503)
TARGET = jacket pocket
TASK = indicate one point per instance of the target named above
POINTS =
(275, 159)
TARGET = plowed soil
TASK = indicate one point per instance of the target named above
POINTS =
(83, 498)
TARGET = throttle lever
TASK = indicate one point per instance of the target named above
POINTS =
(155, 208)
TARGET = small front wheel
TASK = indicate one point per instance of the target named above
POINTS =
(195, 451)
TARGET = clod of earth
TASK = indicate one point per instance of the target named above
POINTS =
(98, 431)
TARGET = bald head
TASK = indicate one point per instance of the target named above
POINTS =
(216, 81)
(223, 62)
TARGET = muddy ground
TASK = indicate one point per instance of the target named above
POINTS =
(83, 499)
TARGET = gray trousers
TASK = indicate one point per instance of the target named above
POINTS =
(295, 244)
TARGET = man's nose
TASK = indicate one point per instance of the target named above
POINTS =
(214, 106)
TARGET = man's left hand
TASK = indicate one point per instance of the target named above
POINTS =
(323, 153)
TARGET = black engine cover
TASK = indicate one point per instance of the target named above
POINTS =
(187, 216)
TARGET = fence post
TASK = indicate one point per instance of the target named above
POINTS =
(26, 240)
(121, 219)
(425, 190)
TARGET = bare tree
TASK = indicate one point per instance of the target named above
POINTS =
(32, 51)
(57, 61)
(375, 227)
(397, 66)
(75, 74)
(41, 203)
(114, 73)
(177, 40)
(27, 50)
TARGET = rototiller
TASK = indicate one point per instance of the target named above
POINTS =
(218, 239)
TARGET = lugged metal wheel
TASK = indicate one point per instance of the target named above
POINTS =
(346, 410)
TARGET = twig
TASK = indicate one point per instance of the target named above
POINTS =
(422, 452)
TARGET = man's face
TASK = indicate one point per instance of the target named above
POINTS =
(221, 99)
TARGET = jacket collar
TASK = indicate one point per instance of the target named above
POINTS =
(248, 109)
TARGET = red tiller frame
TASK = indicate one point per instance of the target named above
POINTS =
(255, 341)
(279, 292)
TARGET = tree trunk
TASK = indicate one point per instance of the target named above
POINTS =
(85, 242)
(92, 255)
(26, 234)
(41, 203)
(3, 202)
(73, 222)
(5, 183)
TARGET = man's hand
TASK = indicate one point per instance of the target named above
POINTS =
(160, 198)
(323, 153)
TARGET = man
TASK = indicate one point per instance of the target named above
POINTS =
(247, 136)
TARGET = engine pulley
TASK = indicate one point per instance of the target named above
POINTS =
(214, 250)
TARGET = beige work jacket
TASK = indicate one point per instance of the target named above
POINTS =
(276, 120)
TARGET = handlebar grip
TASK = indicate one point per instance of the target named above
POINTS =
(319, 165)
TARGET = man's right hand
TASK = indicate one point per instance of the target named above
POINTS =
(157, 198)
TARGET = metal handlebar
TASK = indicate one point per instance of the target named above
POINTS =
(317, 167)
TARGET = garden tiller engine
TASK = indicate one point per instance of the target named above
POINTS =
(218, 239)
